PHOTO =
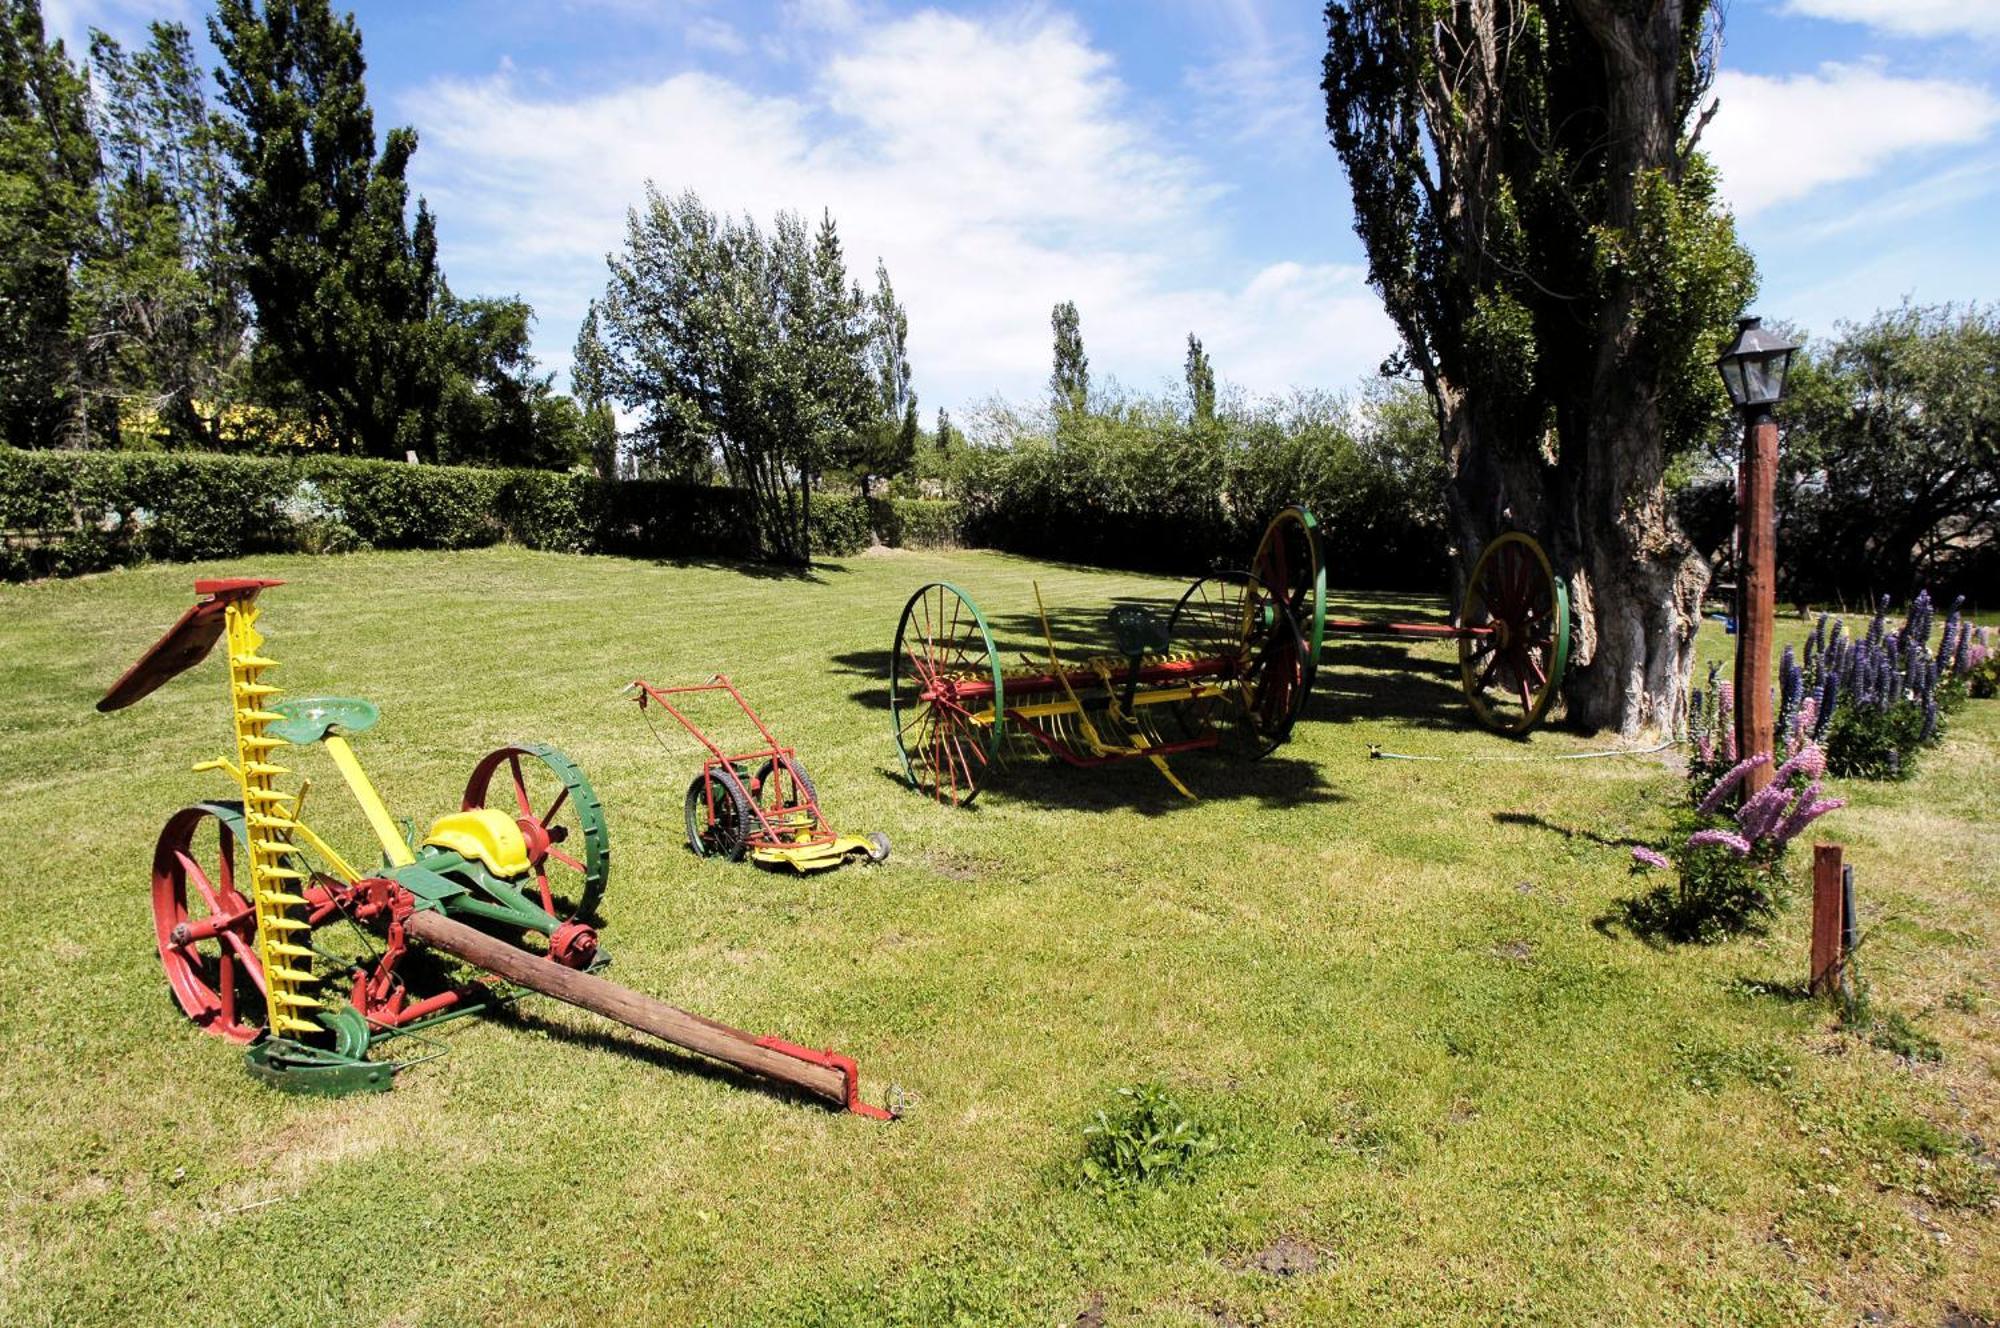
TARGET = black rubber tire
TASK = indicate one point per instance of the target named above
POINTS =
(728, 834)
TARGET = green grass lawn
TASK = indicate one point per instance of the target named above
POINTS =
(1447, 1091)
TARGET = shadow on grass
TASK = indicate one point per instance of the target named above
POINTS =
(1535, 821)
(760, 571)
(639, 1046)
(1134, 785)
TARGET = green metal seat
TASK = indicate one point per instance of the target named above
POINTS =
(307, 719)
(1138, 631)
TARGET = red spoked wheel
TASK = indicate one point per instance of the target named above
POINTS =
(205, 927)
(1516, 644)
(569, 843)
(1237, 618)
(947, 699)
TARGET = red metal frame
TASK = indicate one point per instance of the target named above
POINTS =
(779, 825)
(1371, 627)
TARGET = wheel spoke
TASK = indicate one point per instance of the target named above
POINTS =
(550, 815)
(520, 786)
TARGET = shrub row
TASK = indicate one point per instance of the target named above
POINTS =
(1181, 502)
(66, 513)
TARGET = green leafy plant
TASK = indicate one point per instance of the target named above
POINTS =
(1146, 1138)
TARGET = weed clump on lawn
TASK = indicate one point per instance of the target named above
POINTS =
(1146, 1138)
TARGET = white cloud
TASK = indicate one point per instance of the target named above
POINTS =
(72, 20)
(1909, 18)
(995, 165)
(714, 35)
(1778, 138)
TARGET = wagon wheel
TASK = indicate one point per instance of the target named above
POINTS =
(205, 927)
(719, 813)
(1235, 617)
(569, 842)
(1512, 670)
(1288, 560)
(943, 643)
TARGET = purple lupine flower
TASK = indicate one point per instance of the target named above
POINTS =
(1808, 811)
(1728, 782)
(1649, 858)
(1728, 839)
(1930, 720)
(1761, 812)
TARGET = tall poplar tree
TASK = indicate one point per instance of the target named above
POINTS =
(1069, 383)
(1200, 380)
(1548, 241)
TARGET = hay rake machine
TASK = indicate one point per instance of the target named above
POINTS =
(1229, 663)
(257, 918)
(759, 802)
(1513, 626)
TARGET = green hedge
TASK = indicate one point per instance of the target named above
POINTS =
(1179, 499)
(65, 513)
(916, 523)
(840, 525)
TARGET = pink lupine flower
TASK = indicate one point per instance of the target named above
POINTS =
(1809, 761)
(1811, 807)
(1757, 815)
(1725, 785)
(1728, 839)
(1646, 857)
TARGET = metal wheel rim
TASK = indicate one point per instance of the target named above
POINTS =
(1235, 615)
(942, 632)
(1290, 560)
(1513, 584)
(561, 873)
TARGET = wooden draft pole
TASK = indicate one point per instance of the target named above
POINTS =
(823, 1074)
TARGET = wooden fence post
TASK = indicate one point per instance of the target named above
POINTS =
(1828, 919)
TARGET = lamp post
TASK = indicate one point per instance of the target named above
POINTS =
(1753, 368)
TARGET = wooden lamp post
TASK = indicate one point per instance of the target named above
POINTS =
(1753, 369)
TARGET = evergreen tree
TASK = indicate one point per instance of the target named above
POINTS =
(944, 432)
(347, 293)
(49, 165)
(1070, 383)
(1200, 380)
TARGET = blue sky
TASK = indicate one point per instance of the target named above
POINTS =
(1161, 162)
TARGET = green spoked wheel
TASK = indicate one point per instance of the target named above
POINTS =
(1238, 618)
(947, 699)
(1515, 647)
(719, 814)
(548, 797)
(1289, 562)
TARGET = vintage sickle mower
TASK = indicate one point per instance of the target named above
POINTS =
(258, 920)
(1229, 661)
(1513, 627)
(760, 802)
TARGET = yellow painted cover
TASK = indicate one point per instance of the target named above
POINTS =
(484, 833)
